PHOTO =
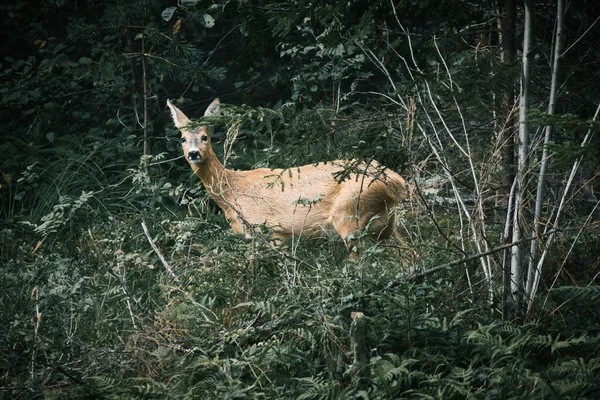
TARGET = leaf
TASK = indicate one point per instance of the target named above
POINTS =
(189, 3)
(308, 49)
(50, 137)
(177, 26)
(167, 13)
(85, 61)
(161, 351)
(209, 21)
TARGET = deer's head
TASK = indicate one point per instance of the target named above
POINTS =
(194, 141)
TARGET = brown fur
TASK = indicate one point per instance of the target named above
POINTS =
(273, 197)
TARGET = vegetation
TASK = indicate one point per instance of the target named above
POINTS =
(119, 278)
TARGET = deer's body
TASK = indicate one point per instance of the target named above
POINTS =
(308, 200)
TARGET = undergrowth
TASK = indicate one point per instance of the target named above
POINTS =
(90, 311)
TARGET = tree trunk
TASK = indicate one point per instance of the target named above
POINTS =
(523, 160)
(508, 56)
(507, 17)
(533, 273)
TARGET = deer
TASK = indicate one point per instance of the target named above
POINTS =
(349, 197)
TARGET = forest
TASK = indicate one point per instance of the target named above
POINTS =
(121, 278)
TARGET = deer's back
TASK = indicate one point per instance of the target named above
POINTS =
(308, 200)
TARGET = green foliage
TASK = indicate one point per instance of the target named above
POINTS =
(89, 310)
(589, 294)
(569, 131)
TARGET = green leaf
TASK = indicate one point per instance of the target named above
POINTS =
(167, 13)
(209, 21)
(85, 61)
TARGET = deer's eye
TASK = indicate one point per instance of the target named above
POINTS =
(183, 140)
(204, 138)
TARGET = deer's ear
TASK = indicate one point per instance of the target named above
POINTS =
(214, 108)
(178, 116)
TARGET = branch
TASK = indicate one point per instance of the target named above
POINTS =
(159, 254)
(580, 37)
(430, 271)
(563, 200)
(533, 274)
(128, 294)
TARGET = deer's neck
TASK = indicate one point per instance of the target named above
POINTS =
(215, 178)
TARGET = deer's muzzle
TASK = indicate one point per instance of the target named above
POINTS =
(194, 156)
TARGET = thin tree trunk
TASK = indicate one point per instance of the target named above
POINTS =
(145, 86)
(507, 17)
(550, 239)
(508, 57)
(532, 271)
(522, 166)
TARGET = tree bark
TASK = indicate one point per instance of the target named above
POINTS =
(523, 160)
(507, 17)
(508, 56)
(533, 272)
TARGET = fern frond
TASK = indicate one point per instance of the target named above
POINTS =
(589, 293)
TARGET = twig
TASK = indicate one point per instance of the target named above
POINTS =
(124, 287)
(434, 220)
(562, 265)
(430, 271)
(128, 294)
(145, 83)
(580, 37)
(563, 200)
(159, 254)
(35, 295)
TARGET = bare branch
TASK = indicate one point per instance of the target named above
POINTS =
(159, 254)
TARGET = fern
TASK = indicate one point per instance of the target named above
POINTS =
(589, 293)
(319, 388)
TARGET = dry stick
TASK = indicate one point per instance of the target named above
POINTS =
(480, 213)
(441, 157)
(506, 236)
(145, 83)
(562, 265)
(412, 53)
(563, 200)
(580, 37)
(129, 294)
(485, 263)
(359, 337)
(124, 287)
(175, 278)
(430, 271)
(35, 295)
(434, 220)
(541, 186)
(523, 157)
(159, 254)
(379, 64)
